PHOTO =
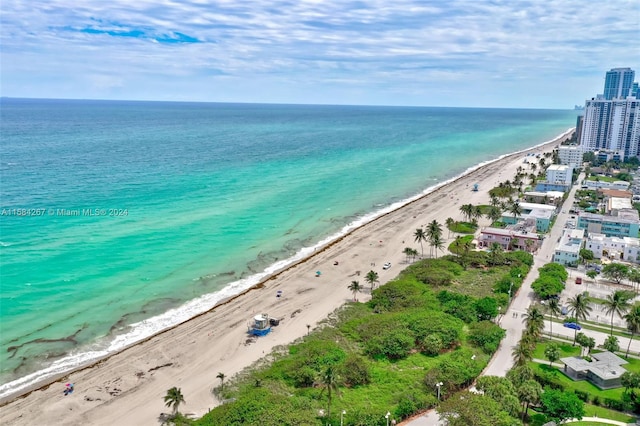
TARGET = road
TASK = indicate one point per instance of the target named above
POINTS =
(511, 321)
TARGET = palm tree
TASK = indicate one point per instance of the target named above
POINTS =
(174, 398)
(355, 287)
(633, 323)
(329, 382)
(467, 211)
(522, 353)
(528, 244)
(579, 308)
(514, 208)
(371, 278)
(534, 321)
(617, 303)
(553, 307)
(449, 222)
(477, 213)
(433, 233)
(495, 254)
(407, 252)
(221, 376)
(438, 244)
(529, 392)
(494, 213)
(420, 236)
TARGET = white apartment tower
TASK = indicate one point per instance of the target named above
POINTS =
(612, 121)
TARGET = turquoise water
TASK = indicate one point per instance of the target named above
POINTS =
(195, 202)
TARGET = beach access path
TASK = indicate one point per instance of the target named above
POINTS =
(128, 387)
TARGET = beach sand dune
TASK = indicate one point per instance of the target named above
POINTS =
(128, 388)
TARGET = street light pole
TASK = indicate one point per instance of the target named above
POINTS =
(438, 386)
(342, 417)
(387, 417)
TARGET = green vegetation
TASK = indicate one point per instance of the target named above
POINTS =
(463, 227)
(430, 325)
(551, 281)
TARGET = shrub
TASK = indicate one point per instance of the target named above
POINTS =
(355, 371)
(432, 344)
(596, 400)
(486, 335)
(584, 396)
(393, 344)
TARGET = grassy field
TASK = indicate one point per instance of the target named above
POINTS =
(605, 413)
(565, 349)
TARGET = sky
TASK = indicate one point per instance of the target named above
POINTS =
(465, 53)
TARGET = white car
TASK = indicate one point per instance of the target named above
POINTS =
(386, 265)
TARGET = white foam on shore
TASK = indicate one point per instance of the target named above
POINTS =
(147, 328)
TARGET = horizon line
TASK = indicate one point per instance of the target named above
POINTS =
(278, 103)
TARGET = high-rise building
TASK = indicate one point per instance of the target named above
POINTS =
(612, 121)
(618, 83)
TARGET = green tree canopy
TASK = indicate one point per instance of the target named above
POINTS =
(615, 271)
(470, 409)
(546, 286)
(559, 405)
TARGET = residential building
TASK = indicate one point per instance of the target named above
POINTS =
(570, 155)
(603, 370)
(618, 83)
(518, 237)
(554, 198)
(600, 184)
(540, 213)
(624, 225)
(612, 121)
(550, 186)
(567, 251)
(614, 248)
(560, 173)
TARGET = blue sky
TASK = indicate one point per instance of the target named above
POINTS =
(502, 53)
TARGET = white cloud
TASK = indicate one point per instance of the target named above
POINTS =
(307, 49)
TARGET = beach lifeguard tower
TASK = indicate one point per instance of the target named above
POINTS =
(475, 187)
(261, 325)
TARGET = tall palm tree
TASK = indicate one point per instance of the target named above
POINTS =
(514, 208)
(438, 244)
(554, 309)
(355, 288)
(433, 233)
(420, 236)
(522, 354)
(477, 213)
(407, 252)
(449, 222)
(174, 398)
(221, 376)
(633, 323)
(617, 303)
(534, 321)
(371, 278)
(329, 383)
(467, 211)
(579, 308)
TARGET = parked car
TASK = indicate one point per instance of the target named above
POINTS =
(578, 280)
(572, 325)
(564, 310)
(386, 265)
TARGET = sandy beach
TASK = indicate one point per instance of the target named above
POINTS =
(128, 388)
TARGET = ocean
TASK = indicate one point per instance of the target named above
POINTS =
(122, 218)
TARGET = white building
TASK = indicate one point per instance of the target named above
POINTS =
(560, 173)
(568, 249)
(618, 248)
(570, 155)
(619, 184)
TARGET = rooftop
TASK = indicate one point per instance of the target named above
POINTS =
(605, 365)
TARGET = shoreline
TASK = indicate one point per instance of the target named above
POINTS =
(328, 248)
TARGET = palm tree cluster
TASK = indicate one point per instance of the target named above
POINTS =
(410, 253)
(432, 235)
(471, 213)
(534, 326)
